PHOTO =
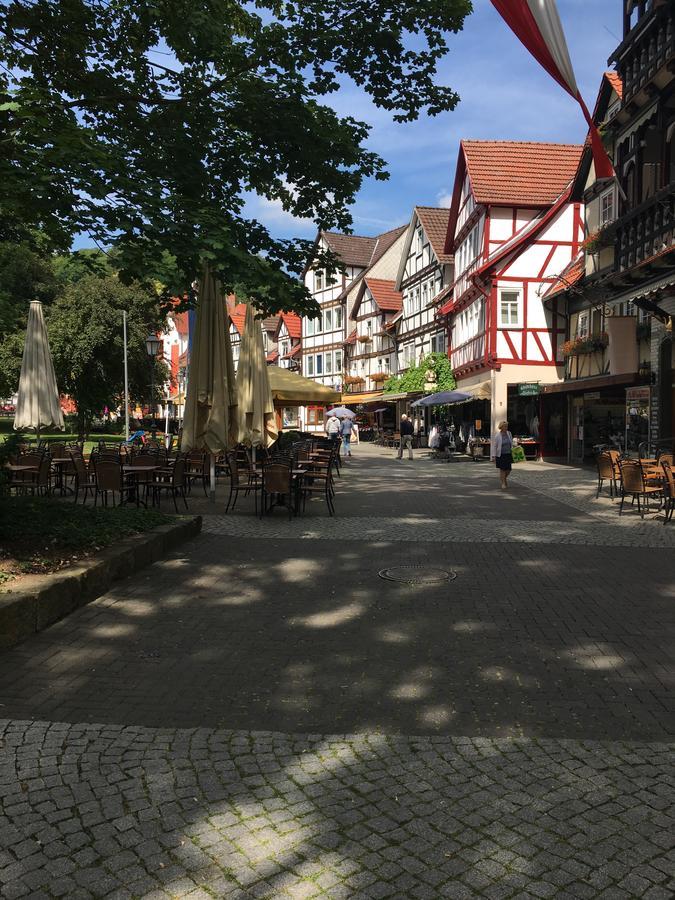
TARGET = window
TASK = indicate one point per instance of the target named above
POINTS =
(329, 363)
(419, 240)
(319, 363)
(369, 328)
(328, 320)
(309, 327)
(438, 343)
(425, 294)
(315, 415)
(338, 360)
(607, 207)
(310, 365)
(318, 281)
(417, 299)
(582, 325)
(337, 317)
(509, 309)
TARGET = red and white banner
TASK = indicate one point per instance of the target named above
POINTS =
(537, 25)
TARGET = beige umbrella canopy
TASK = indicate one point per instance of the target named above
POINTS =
(210, 421)
(38, 402)
(257, 422)
(291, 388)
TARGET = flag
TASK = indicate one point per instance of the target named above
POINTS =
(537, 25)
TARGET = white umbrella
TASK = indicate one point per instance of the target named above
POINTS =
(257, 421)
(341, 412)
(210, 418)
(38, 403)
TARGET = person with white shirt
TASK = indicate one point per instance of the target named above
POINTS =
(502, 453)
(333, 428)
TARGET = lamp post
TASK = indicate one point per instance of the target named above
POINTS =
(152, 345)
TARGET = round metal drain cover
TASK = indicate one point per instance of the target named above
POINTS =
(416, 575)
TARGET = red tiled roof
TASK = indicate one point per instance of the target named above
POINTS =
(385, 295)
(520, 173)
(434, 221)
(273, 356)
(238, 316)
(293, 324)
(270, 323)
(569, 276)
(615, 80)
(293, 352)
(352, 337)
(355, 250)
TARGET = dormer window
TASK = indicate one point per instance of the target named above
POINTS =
(607, 213)
(319, 280)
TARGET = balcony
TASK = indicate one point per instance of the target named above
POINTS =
(646, 230)
(644, 56)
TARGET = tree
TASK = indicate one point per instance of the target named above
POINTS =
(85, 335)
(25, 275)
(152, 123)
(415, 377)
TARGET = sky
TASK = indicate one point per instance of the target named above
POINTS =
(504, 96)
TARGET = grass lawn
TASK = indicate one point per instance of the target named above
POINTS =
(70, 438)
(40, 535)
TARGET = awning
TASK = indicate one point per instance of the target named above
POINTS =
(372, 397)
(287, 387)
(482, 391)
(590, 384)
(391, 398)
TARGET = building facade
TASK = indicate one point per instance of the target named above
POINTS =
(512, 228)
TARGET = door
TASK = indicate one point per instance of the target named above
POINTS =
(577, 430)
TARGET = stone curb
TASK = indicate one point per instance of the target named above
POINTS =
(44, 599)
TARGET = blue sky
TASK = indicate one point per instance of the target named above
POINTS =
(505, 96)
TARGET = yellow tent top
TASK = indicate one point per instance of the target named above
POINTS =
(287, 387)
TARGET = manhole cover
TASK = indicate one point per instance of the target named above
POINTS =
(416, 575)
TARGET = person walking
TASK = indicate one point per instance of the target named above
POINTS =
(346, 430)
(333, 428)
(502, 453)
(407, 432)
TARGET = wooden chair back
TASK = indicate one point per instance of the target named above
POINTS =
(631, 476)
(605, 466)
(277, 478)
(108, 476)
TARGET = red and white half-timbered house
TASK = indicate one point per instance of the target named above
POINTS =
(512, 229)
(288, 338)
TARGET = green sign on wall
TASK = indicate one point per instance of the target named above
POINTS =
(532, 389)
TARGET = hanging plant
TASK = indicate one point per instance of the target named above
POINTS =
(380, 376)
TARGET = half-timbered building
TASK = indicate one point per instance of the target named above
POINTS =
(424, 273)
(323, 338)
(512, 229)
(288, 338)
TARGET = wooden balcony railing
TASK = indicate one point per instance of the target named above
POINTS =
(645, 230)
(650, 52)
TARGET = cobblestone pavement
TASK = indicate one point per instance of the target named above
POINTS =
(222, 727)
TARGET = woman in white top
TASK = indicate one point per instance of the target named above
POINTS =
(502, 453)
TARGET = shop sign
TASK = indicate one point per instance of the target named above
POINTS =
(592, 395)
(638, 395)
(532, 389)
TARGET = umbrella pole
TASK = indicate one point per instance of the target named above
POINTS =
(212, 477)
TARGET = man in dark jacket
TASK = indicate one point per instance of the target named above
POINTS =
(406, 437)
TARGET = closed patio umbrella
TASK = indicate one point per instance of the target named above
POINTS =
(210, 418)
(38, 403)
(257, 422)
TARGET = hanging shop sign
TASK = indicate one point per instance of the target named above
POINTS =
(532, 389)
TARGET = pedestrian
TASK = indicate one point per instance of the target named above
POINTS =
(346, 430)
(406, 437)
(502, 453)
(333, 428)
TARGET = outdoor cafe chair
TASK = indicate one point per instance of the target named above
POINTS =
(172, 482)
(83, 479)
(633, 482)
(241, 481)
(110, 480)
(277, 482)
(669, 490)
(606, 472)
(197, 469)
(318, 481)
(26, 480)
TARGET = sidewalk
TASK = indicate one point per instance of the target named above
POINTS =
(263, 715)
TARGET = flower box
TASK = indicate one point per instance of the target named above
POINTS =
(582, 345)
(364, 338)
(380, 376)
(353, 379)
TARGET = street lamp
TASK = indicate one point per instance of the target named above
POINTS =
(152, 345)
